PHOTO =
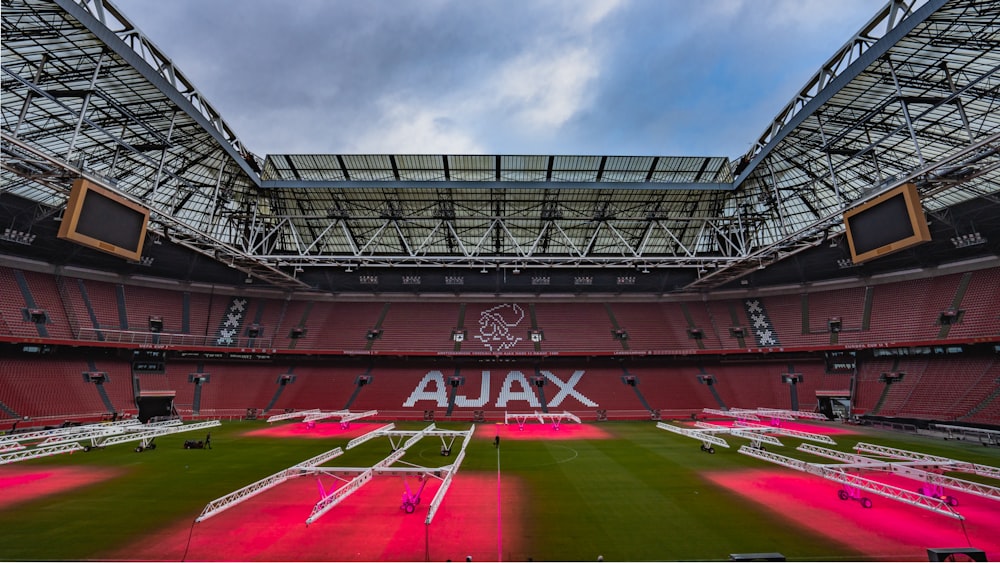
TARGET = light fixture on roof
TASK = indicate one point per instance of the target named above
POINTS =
(967, 240)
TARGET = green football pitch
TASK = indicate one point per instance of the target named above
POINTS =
(620, 490)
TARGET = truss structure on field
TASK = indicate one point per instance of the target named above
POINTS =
(42, 435)
(708, 439)
(812, 436)
(312, 416)
(739, 414)
(784, 414)
(24, 454)
(68, 440)
(928, 469)
(556, 419)
(351, 479)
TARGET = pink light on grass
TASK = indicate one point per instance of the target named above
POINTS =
(536, 431)
(367, 526)
(890, 530)
(316, 431)
(20, 484)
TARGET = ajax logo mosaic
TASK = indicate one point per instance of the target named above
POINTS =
(495, 325)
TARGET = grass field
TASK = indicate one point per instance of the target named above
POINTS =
(626, 491)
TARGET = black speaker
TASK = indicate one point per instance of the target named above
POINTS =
(955, 554)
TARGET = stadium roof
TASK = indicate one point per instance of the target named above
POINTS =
(912, 97)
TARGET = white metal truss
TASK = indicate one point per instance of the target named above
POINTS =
(741, 414)
(291, 415)
(345, 417)
(707, 439)
(381, 431)
(145, 437)
(232, 499)
(934, 482)
(846, 457)
(917, 458)
(853, 484)
(756, 436)
(785, 414)
(385, 466)
(35, 453)
(11, 447)
(937, 481)
(555, 419)
(91, 434)
(446, 482)
(44, 434)
(823, 438)
(323, 415)
(896, 453)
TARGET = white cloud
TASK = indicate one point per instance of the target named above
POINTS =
(407, 127)
(545, 90)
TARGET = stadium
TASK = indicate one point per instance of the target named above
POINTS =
(211, 355)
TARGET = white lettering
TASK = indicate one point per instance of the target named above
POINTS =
(525, 394)
(567, 388)
(422, 394)
(484, 395)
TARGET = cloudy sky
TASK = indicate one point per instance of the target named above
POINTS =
(615, 77)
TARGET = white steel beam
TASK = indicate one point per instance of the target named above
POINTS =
(782, 460)
(896, 453)
(732, 413)
(756, 437)
(439, 496)
(35, 453)
(43, 434)
(225, 502)
(88, 434)
(352, 416)
(333, 499)
(856, 481)
(986, 491)
(889, 491)
(692, 433)
(791, 415)
(253, 489)
(373, 434)
(838, 455)
(323, 415)
(289, 415)
(145, 436)
(823, 438)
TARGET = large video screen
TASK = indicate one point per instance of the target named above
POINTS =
(888, 223)
(101, 219)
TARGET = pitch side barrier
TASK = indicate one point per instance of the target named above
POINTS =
(985, 436)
